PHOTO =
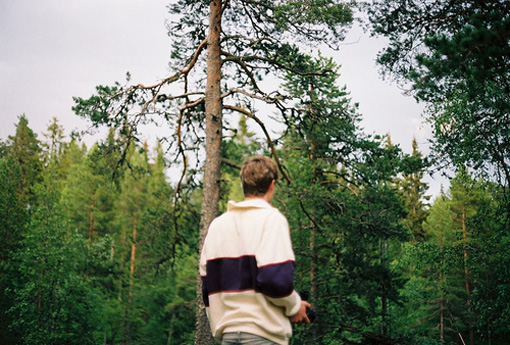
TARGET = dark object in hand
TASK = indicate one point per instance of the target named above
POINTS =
(312, 314)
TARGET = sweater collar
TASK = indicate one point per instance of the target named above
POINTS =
(250, 203)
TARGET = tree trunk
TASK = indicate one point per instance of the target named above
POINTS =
(212, 172)
(91, 231)
(133, 259)
(384, 257)
(314, 290)
(127, 321)
(171, 330)
(91, 219)
(441, 288)
(466, 274)
(441, 309)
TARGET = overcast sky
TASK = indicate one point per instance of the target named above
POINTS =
(53, 50)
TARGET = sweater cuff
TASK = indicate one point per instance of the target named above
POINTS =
(297, 304)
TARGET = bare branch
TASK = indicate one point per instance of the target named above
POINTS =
(243, 65)
(157, 87)
(265, 98)
(268, 137)
(246, 58)
(163, 97)
(176, 76)
(253, 42)
(341, 184)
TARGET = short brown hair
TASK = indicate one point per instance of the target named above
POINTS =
(257, 173)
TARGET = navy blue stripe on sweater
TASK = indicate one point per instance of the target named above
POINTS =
(277, 280)
(242, 274)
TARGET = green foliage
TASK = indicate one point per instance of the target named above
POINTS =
(62, 283)
(66, 262)
(345, 216)
(25, 148)
(107, 253)
(456, 54)
(54, 146)
(412, 192)
(14, 219)
(452, 282)
(54, 302)
(490, 251)
(96, 107)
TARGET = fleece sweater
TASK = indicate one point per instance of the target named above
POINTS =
(247, 269)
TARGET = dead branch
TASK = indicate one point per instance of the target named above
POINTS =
(341, 184)
(268, 137)
(265, 98)
(240, 62)
(157, 87)
(248, 58)
(184, 71)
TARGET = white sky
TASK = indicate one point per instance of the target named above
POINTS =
(53, 50)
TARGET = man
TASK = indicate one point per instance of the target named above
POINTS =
(247, 266)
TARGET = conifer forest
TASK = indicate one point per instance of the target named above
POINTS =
(99, 243)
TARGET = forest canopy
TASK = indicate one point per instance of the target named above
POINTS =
(99, 243)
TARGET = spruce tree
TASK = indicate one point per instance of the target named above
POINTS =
(26, 149)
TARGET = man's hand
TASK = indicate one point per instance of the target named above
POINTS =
(301, 317)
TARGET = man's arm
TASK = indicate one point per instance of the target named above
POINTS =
(276, 263)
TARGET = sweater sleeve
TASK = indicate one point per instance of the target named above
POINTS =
(276, 263)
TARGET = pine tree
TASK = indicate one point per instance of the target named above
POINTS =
(460, 69)
(412, 190)
(465, 198)
(342, 211)
(244, 41)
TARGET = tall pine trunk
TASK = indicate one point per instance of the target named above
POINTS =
(91, 219)
(441, 287)
(314, 290)
(133, 259)
(127, 311)
(91, 232)
(466, 275)
(384, 257)
(212, 172)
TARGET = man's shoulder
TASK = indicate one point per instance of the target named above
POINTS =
(222, 218)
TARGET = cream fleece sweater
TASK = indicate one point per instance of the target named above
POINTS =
(247, 269)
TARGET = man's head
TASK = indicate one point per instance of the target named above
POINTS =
(257, 174)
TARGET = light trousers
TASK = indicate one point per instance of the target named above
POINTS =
(240, 338)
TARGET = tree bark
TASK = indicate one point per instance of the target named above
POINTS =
(212, 172)
(91, 219)
(91, 232)
(383, 252)
(133, 258)
(441, 287)
(127, 322)
(314, 289)
(466, 274)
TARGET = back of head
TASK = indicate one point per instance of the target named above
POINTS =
(257, 173)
